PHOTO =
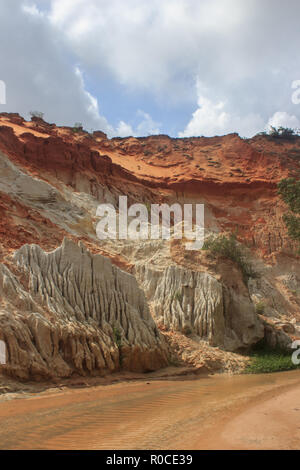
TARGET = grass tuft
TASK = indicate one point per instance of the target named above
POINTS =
(265, 360)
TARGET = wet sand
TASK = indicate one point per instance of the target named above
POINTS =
(273, 424)
(237, 412)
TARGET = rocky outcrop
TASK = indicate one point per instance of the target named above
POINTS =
(276, 337)
(69, 311)
(196, 302)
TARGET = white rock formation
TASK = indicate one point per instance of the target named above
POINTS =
(198, 303)
(69, 311)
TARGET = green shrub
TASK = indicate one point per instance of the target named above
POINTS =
(269, 361)
(78, 127)
(293, 225)
(36, 114)
(260, 308)
(117, 336)
(118, 340)
(282, 132)
(228, 247)
(264, 360)
(187, 330)
(289, 191)
(178, 296)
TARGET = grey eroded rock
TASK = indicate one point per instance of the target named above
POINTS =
(38, 194)
(69, 311)
(277, 338)
(198, 303)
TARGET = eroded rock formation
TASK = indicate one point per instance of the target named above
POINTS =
(70, 311)
(196, 302)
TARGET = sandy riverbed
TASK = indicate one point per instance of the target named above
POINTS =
(227, 412)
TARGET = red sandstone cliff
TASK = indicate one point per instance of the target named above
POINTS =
(52, 179)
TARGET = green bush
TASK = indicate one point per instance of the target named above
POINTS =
(36, 114)
(178, 296)
(78, 127)
(260, 308)
(117, 336)
(264, 359)
(269, 361)
(289, 191)
(282, 133)
(228, 247)
(293, 225)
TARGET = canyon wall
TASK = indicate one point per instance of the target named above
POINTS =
(72, 304)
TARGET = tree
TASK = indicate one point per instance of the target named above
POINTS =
(282, 132)
(78, 127)
(36, 114)
(228, 247)
(289, 191)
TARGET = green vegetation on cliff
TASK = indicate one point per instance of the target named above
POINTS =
(264, 360)
(289, 191)
(228, 247)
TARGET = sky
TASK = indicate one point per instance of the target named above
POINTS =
(140, 67)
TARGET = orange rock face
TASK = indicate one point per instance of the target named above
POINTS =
(235, 178)
(53, 178)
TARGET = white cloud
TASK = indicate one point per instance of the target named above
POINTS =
(245, 61)
(156, 44)
(32, 9)
(209, 119)
(43, 78)
(92, 106)
(145, 127)
(212, 119)
(37, 71)
(283, 119)
(150, 45)
(154, 50)
(124, 130)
